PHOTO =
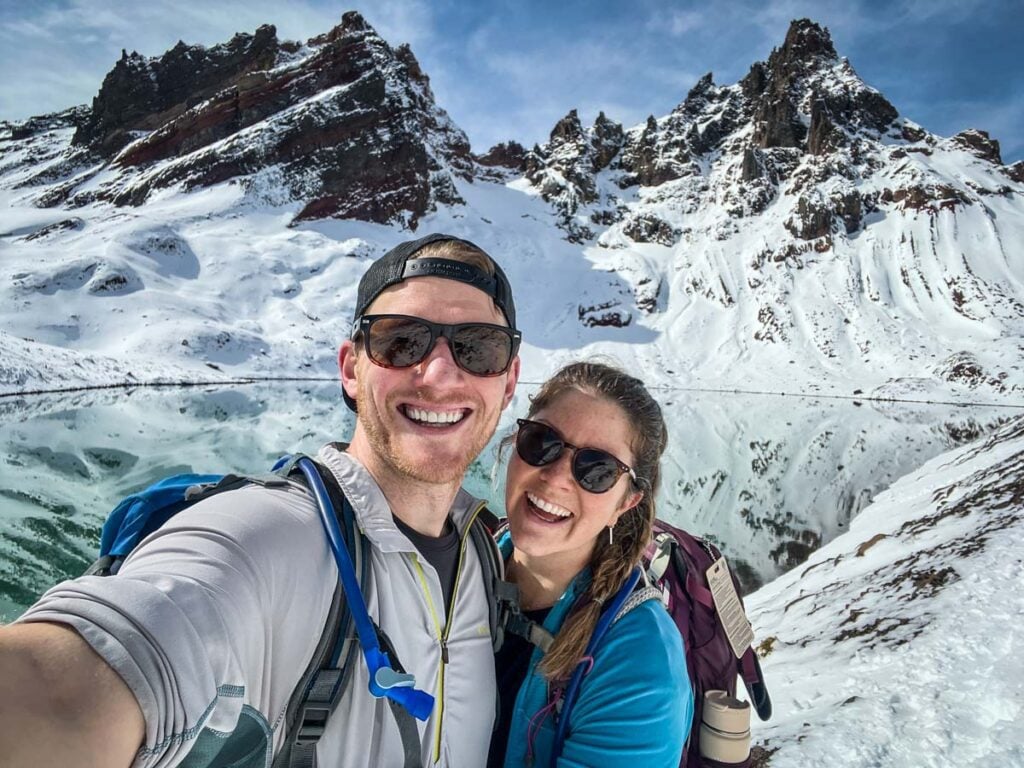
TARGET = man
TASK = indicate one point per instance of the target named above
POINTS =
(196, 645)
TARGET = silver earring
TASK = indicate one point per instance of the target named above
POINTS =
(610, 538)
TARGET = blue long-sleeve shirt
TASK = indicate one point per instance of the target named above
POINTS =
(635, 706)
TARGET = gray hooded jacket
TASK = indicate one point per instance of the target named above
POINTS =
(212, 620)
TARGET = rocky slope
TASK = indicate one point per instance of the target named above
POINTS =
(896, 644)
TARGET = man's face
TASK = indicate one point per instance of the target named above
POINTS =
(429, 421)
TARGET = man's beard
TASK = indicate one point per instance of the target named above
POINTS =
(442, 468)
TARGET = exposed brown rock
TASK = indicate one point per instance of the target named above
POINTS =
(777, 123)
(608, 313)
(33, 126)
(812, 219)
(369, 146)
(912, 133)
(141, 94)
(751, 168)
(930, 198)
(507, 154)
(650, 229)
(568, 130)
(607, 140)
(1016, 171)
(644, 161)
(850, 208)
(823, 136)
(755, 82)
(978, 143)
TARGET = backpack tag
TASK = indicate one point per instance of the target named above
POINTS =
(729, 608)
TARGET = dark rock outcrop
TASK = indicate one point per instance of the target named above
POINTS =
(141, 94)
(607, 139)
(752, 167)
(33, 126)
(647, 228)
(979, 143)
(792, 73)
(1016, 171)
(565, 168)
(849, 207)
(507, 154)
(653, 156)
(351, 127)
(928, 198)
(812, 219)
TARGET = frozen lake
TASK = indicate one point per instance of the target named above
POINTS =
(769, 478)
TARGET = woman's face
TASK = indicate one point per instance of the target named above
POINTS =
(548, 512)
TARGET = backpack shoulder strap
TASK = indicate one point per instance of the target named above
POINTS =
(324, 679)
(329, 673)
(636, 598)
(502, 597)
(608, 616)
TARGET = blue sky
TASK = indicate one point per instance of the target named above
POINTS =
(510, 69)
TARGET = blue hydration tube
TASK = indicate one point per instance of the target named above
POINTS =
(385, 681)
(572, 690)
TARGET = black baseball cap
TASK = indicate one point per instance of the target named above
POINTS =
(397, 265)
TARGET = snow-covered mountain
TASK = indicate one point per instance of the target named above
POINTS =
(794, 219)
(213, 209)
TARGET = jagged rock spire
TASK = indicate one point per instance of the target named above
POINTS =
(377, 149)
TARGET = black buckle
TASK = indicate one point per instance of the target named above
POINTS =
(313, 723)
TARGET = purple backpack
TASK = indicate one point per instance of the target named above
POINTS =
(677, 564)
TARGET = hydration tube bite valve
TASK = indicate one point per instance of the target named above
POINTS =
(385, 680)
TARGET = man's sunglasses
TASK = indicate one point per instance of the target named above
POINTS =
(400, 341)
(595, 470)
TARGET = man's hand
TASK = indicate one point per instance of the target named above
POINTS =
(61, 704)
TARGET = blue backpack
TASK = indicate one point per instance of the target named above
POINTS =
(325, 679)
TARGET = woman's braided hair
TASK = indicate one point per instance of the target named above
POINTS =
(610, 563)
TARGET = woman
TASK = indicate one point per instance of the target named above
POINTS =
(580, 504)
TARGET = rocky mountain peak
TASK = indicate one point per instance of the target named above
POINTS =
(806, 41)
(607, 139)
(412, 66)
(353, 21)
(352, 25)
(567, 130)
(508, 155)
(801, 135)
(344, 122)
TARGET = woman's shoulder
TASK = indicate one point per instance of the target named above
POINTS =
(646, 630)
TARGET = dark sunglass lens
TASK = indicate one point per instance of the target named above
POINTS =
(537, 444)
(481, 350)
(398, 342)
(595, 470)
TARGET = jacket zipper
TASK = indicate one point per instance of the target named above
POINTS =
(442, 635)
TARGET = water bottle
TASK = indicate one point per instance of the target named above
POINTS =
(725, 728)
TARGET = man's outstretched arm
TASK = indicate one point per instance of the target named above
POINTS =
(61, 704)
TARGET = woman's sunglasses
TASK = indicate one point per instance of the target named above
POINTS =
(595, 470)
(401, 341)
